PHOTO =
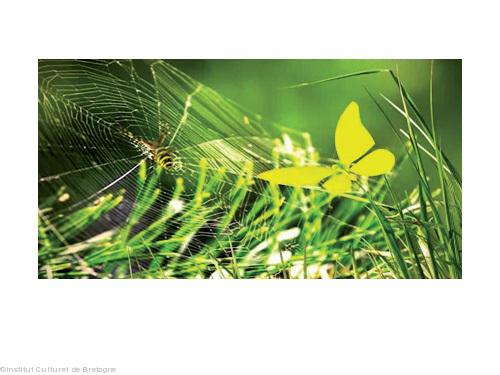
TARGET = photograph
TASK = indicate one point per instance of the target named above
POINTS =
(249, 169)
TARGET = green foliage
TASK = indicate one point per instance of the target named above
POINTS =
(224, 223)
(276, 233)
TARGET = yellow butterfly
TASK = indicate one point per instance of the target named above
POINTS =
(352, 142)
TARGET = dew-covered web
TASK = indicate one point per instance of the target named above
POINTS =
(100, 123)
(96, 118)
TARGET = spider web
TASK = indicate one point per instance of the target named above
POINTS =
(95, 115)
(96, 119)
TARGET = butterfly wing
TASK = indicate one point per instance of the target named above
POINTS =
(352, 140)
(339, 183)
(378, 162)
(297, 176)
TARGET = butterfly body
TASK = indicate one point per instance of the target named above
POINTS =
(353, 143)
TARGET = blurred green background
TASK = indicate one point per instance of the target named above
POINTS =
(257, 85)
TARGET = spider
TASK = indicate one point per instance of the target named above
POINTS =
(162, 155)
